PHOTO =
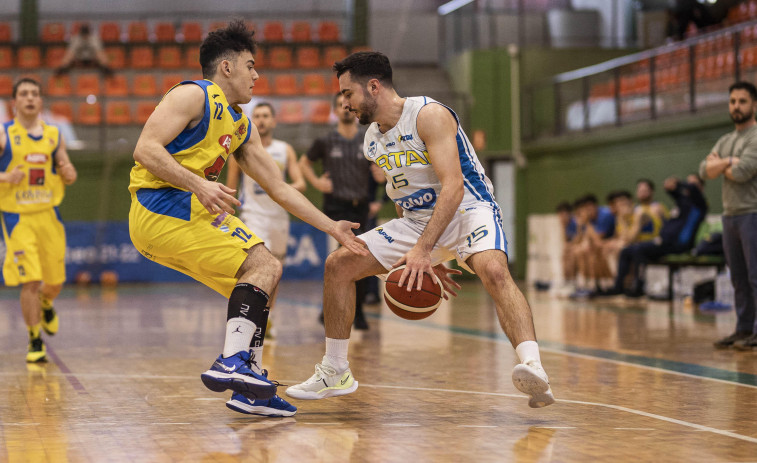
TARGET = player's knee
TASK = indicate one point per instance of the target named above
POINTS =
(336, 263)
(51, 291)
(31, 286)
(496, 272)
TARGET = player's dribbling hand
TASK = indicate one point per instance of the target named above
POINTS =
(217, 197)
(417, 262)
(443, 273)
(342, 232)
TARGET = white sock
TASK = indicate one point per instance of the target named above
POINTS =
(239, 333)
(528, 350)
(258, 357)
(336, 353)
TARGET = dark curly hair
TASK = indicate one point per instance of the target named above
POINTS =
(26, 80)
(224, 44)
(366, 65)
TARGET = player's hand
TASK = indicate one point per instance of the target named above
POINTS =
(417, 262)
(325, 185)
(342, 232)
(67, 173)
(217, 197)
(373, 208)
(16, 175)
(443, 273)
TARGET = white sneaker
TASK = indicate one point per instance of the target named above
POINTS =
(326, 382)
(530, 378)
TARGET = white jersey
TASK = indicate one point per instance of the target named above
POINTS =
(410, 178)
(256, 204)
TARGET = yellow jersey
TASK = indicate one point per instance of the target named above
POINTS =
(651, 223)
(42, 187)
(204, 148)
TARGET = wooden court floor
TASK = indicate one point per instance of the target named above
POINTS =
(633, 381)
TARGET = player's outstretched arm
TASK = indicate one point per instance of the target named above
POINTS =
(258, 164)
(182, 107)
(438, 129)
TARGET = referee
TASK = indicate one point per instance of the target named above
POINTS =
(346, 174)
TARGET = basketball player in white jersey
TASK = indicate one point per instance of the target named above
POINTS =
(447, 211)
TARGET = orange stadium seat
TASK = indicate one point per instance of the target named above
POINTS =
(285, 84)
(6, 85)
(142, 57)
(165, 32)
(169, 80)
(6, 58)
(280, 58)
(116, 86)
(58, 86)
(314, 84)
(5, 32)
(53, 32)
(110, 32)
(144, 85)
(328, 31)
(53, 56)
(300, 31)
(360, 48)
(63, 109)
(217, 25)
(192, 32)
(87, 84)
(138, 32)
(335, 84)
(273, 31)
(169, 57)
(89, 114)
(262, 86)
(116, 57)
(118, 113)
(290, 112)
(29, 57)
(333, 54)
(308, 57)
(259, 58)
(320, 112)
(748, 57)
(192, 57)
(144, 110)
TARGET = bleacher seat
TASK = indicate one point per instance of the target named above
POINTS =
(58, 86)
(192, 57)
(748, 57)
(290, 112)
(300, 31)
(53, 32)
(144, 110)
(333, 54)
(169, 80)
(260, 58)
(169, 57)
(29, 57)
(165, 32)
(53, 56)
(308, 57)
(6, 58)
(110, 32)
(262, 86)
(314, 84)
(6, 85)
(320, 112)
(117, 113)
(142, 57)
(335, 85)
(273, 31)
(116, 57)
(328, 31)
(191, 32)
(116, 85)
(89, 114)
(138, 32)
(144, 85)
(62, 109)
(217, 25)
(280, 58)
(5, 32)
(358, 48)
(285, 84)
(87, 84)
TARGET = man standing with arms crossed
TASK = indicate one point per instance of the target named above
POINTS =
(734, 156)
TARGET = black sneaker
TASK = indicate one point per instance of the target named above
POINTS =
(729, 341)
(749, 343)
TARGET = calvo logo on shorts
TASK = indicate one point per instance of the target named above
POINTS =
(421, 199)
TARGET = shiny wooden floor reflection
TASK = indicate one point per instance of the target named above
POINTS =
(634, 382)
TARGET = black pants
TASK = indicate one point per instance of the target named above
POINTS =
(634, 257)
(740, 246)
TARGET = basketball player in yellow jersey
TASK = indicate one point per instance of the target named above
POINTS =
(181, 217)
(34, 166)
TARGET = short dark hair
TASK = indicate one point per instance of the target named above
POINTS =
(26, 80)
(649, 183)
(223, 43)
(336, 98)
(699, 177)
(748, 86)
(564, 207)
(265, 104)
(366, 65)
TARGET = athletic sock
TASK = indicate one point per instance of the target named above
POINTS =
(336, 353)
(45, 303)
(527, 351)
(34, 331)
(246, 305)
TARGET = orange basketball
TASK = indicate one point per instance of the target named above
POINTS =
(109, 278)
(413, 304)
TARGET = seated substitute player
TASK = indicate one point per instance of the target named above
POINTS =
(34, 165)
(181, 217)
(447, 211)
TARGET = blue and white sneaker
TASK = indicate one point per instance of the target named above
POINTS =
(275, 406)
(236, 373)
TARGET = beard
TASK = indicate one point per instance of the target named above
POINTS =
(367, 109)
(739, 118)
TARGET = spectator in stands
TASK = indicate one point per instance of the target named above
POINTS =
(734, 156)
(569, 230)
(649, 215)
(685, 12)
(595, 225)
(84, 50)
(677, 235)
(621, 205)
(345, 179)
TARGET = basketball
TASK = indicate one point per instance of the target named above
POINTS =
(109, 278)
(413, 304)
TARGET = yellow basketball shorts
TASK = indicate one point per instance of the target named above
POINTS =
(35, 247)
(171, 227)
